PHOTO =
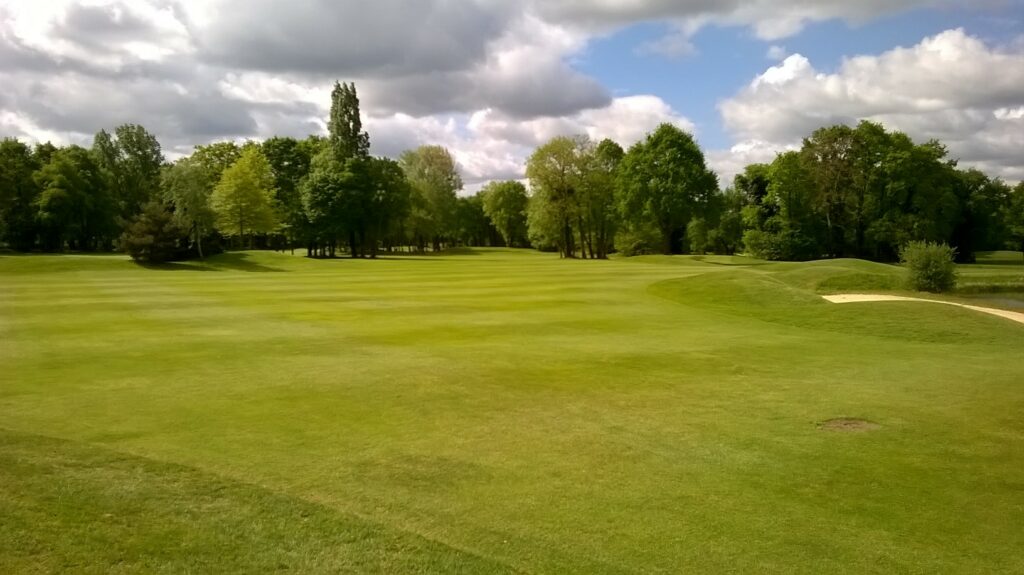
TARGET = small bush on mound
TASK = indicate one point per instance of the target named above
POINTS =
(930, 266)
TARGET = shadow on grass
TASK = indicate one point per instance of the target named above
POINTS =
(239, 262)
(704, 259)
(399, 256)
(431, 254)
(1005, 258)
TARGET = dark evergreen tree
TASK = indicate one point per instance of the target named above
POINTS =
(153, 236)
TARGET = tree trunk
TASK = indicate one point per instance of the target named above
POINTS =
(583, 239)
(570, 249)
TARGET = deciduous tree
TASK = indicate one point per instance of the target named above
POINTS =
(244, 197)
(18, 193)
(74, 208)
(187, 187)
(505, 204)
(131, 160)
(435, 181)
(554, 174)
(662, 180)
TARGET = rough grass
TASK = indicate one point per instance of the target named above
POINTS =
(499, 410)
(71, 507)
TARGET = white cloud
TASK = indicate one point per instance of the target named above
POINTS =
(489, 145)
(951, 87)
(490, 79)
(776, 52)
(728, 163)
(770, 20)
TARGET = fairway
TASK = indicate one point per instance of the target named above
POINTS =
(491, 411)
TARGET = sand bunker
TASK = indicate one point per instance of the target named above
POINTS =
(864, 297)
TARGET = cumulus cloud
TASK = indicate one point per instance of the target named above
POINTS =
(226, 69)
(951, 87)
(489, 144)
(352, 39)
(490, 79)
(525, 74)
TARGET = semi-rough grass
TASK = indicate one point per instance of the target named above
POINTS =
(499, 410)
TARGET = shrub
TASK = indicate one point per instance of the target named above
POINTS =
(930, 266)
(631, 240)
(699, 236)
(782, 245)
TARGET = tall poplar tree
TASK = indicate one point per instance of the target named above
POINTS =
(347, 138)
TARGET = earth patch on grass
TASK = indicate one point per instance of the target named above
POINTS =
(848, 425)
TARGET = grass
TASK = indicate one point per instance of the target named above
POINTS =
(500, 411)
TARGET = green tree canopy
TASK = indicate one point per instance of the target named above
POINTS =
(291, 161)
(18, 193)
(216, 157)
(187, 187)
(598, 216)
(505, 203)
(131, 160)
(435, 181)
(244, 197)
(664, 180)
(554, 173)
(74, 207)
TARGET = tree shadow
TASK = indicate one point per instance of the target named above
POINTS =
(396, 255)
(1006, 258)
(460, 251)
(232, 261)
(176, 267)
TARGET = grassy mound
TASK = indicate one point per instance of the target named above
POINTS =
(772, 297)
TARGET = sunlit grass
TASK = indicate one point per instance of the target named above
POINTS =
(497, 409)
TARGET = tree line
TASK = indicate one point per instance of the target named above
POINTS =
(847, 192)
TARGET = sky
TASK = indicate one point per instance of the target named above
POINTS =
(493, 79)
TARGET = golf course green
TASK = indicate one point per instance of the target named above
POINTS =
(493, 411)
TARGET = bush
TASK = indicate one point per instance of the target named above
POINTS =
(783, 245)
(699, 236)
(930, 266)
(637, 240)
